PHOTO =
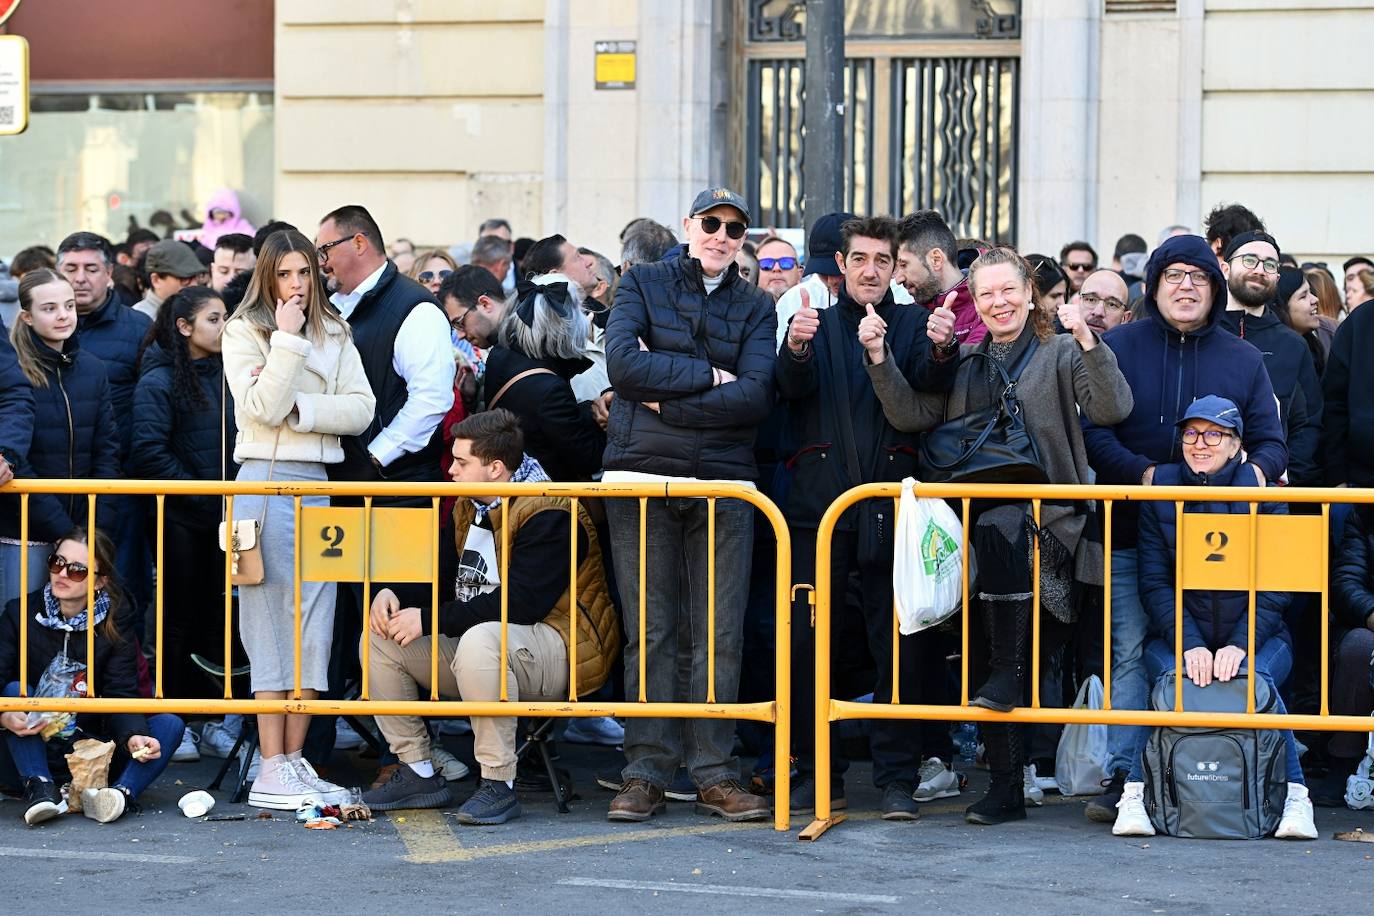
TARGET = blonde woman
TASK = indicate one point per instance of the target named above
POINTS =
(298, 385)
(431, 267)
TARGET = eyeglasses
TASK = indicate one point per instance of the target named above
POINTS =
(457, 323)
(77, 572)
(323, 250)
(428, 276)
(1068, 265)
(1212, 437)
(1251, 261)
(1109, 303)
(1174, 276)
(777, 263)
(734, 228)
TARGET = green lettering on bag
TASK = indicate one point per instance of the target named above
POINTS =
(937, 550)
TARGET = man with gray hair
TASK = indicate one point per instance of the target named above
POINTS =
(495, 254)
(644, 241)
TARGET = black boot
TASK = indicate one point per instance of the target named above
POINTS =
(1004, 800)
(1007, 657)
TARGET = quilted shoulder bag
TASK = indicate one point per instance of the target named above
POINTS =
(245, 543)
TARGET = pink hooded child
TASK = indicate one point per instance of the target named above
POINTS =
(227, 200)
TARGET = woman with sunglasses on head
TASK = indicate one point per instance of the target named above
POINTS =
(74, 432)
(431, 267)
(58, 620)
(298, 385)
(1216, 624)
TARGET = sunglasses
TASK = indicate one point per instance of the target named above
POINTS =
(734, 228)
(1076, 267)
(77, 572)
(777, 263)
(428, 276)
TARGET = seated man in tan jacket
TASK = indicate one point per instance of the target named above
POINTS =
(489, 448)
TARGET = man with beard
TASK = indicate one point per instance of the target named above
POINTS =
(779, 268)
(1104, 301)
(928, 269)
(1251, 265)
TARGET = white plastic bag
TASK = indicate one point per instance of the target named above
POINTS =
(1081, 761)
(927, 570)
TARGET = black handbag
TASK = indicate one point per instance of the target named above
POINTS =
(985, 446)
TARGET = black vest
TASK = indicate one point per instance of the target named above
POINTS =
(376, 320)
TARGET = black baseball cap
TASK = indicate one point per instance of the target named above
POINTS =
(824, 243)
(718, 197)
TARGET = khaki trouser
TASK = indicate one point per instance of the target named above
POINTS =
(536, 669)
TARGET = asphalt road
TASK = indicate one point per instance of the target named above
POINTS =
(1054, 862)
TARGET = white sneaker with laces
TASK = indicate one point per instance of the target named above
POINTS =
(279, 787)
(188, 751)
(1131, 819)
(1297, 822)
(217, 739)
(447, 765)
(1029, 788)
(326, 793)
(935, 780)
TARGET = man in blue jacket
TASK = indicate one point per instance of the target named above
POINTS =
(1175, 354)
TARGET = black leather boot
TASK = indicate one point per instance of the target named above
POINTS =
(1007, 657)
(1004, 800)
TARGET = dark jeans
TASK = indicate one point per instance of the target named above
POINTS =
(27, 756)
(1352, 693)
(897, 746)
(676, 587)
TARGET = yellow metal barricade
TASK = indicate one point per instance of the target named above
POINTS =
(366, 545)
(1249, 553)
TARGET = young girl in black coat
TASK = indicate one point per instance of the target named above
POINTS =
(57, 620)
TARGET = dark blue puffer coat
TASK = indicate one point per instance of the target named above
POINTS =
(114, 333)
(699, 430)
(174, 439)
(1211, 619)
(74, 436)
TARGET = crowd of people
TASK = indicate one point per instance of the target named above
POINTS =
(323, 353)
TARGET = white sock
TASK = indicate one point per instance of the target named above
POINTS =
(1297, 790)
(293, 756)
(422, 768)
(510, 784)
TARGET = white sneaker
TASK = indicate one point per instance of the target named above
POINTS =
(602, 730)
(217, 739)
(188, 751)
(1131, 819)
(1029, 788)
(326, 793)
(935, 780)
(1297, 822)
(254, 766)
(279, 787)
(345, 738)
(447, 765)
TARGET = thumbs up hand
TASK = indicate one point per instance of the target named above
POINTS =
(940, 326)
(803, 326)
(873, 335)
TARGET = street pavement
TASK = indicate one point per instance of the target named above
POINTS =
(425, 862)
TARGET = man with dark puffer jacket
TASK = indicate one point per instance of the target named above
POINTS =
(689, 351)
(843, 440)
(1349, 418)
(1174, 355)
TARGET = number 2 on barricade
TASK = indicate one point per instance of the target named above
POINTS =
(402, 544)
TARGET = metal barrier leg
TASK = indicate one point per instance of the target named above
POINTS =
(825, 818)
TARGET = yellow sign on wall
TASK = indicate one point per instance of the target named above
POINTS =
(333, 547)
(14, 85)
(615, 65)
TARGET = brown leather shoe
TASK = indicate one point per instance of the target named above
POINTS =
(638, 800)
(384, 775)
(731, 801)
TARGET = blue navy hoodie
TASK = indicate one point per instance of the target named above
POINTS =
(1167, 370)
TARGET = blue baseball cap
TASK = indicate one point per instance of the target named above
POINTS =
(1215, 409)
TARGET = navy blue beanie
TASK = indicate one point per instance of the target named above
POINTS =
(1194, 251)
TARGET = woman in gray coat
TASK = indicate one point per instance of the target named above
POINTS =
(1063, 374)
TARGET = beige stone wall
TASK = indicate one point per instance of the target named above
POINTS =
(428, 112)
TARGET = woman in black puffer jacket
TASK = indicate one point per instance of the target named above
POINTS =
(1352, 633)
(180, 428)
(74, 434)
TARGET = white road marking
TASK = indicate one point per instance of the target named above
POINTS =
(78, 856)
(781, 893)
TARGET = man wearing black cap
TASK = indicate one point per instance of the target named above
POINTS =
(689, 351)
(1170, 357)
(1251, 265)
(171, 266)
(1354, 290)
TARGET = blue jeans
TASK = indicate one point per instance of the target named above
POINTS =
(10, 565)
(675, 592)
(28, 755)
(1273, 662)
(1130, 685)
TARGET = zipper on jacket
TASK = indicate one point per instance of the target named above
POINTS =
(71, 440)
